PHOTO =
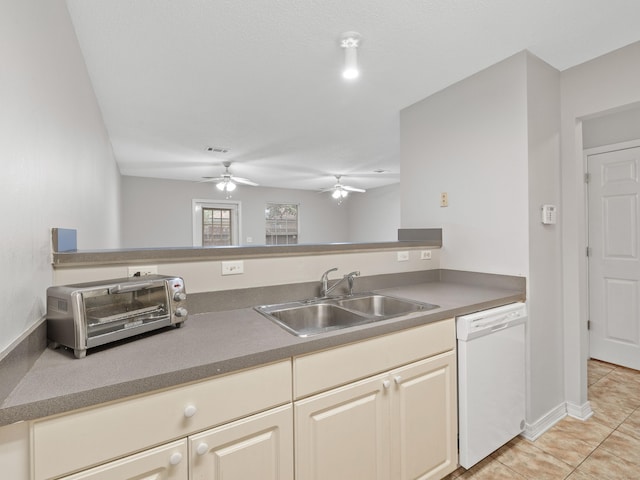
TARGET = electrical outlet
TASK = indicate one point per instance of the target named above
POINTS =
(142, 271)
(425, 255)
(444, 199)
(403, 256)
(235, 267)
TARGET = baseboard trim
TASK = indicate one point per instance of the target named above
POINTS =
(581, 412)
(533, 431)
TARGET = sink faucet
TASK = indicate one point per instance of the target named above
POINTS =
(324, 280)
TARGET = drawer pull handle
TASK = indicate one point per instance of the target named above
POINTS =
(386, 383)
(175, 458)
(397, 379)
(190, 411)
(202, 448)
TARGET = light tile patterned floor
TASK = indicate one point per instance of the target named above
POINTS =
(605, 447)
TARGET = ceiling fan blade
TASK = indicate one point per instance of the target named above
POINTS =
(353, 189)
(211, 179)
(244, 181)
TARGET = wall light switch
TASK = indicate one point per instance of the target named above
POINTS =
(403, 256)
(235, 267)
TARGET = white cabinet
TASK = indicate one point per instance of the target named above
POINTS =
(168, 462)
(83, 439)
(399, 425)
(379, 409)
(258, 447)
(343, 434)
(424, 430)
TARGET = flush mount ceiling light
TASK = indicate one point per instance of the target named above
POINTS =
(350, 42)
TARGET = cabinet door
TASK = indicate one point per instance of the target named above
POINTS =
(343, 434)
(424, 418)
(260, 446)
(167, 462)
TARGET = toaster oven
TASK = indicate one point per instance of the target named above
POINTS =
(87, 315)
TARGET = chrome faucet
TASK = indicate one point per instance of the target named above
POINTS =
(324, 280)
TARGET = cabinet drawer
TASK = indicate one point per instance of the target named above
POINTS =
(321, 371)
(79, 440)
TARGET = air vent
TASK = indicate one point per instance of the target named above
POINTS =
(217, 149)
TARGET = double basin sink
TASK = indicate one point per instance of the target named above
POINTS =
(312, 317)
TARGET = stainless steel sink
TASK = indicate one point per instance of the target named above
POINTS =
(383, 306)
(312, 317)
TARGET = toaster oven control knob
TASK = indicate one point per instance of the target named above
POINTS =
(202, 448)
(175, 458)
(179, 296)
(190, 411)
(181, 312)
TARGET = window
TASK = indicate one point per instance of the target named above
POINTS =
(216, 226)
(215, 223)
(281, 223)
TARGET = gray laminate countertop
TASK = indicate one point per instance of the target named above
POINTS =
(212, 344)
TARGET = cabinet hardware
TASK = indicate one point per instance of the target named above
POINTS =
(202, 448)
(190, 411)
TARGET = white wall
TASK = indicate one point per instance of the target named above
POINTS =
(374, 216)
(545, 379)
(157, 213)
(607, 83)
(617, 127)
(470, 140)
(206, 276)
(491, 142)
(57, 165)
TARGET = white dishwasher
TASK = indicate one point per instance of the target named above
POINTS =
(491, 380)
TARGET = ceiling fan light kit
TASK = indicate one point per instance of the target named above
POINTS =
(227, 182)
(226, 185)
(340, 191)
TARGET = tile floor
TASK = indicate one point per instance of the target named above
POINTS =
(605, 447)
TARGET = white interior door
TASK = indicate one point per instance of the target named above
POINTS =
(614, 267)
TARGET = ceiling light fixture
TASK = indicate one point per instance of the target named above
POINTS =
(350, 42)
(339, 193)
(226, 185)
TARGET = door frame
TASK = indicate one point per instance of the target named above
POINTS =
(196, 216)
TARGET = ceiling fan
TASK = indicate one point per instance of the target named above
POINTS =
(341, 191)
(227, 182)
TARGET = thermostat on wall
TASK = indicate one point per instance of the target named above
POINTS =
(549, 214)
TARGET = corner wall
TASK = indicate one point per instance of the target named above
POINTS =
(545, 331)
(607, 83)
(57, 165)
(491, 142)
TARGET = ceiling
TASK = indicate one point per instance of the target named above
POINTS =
(261, 78)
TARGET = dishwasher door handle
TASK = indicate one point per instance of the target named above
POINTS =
(497, 328)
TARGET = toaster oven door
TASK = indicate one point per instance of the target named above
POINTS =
(124, 310)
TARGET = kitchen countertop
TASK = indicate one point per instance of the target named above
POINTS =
(211, 344)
